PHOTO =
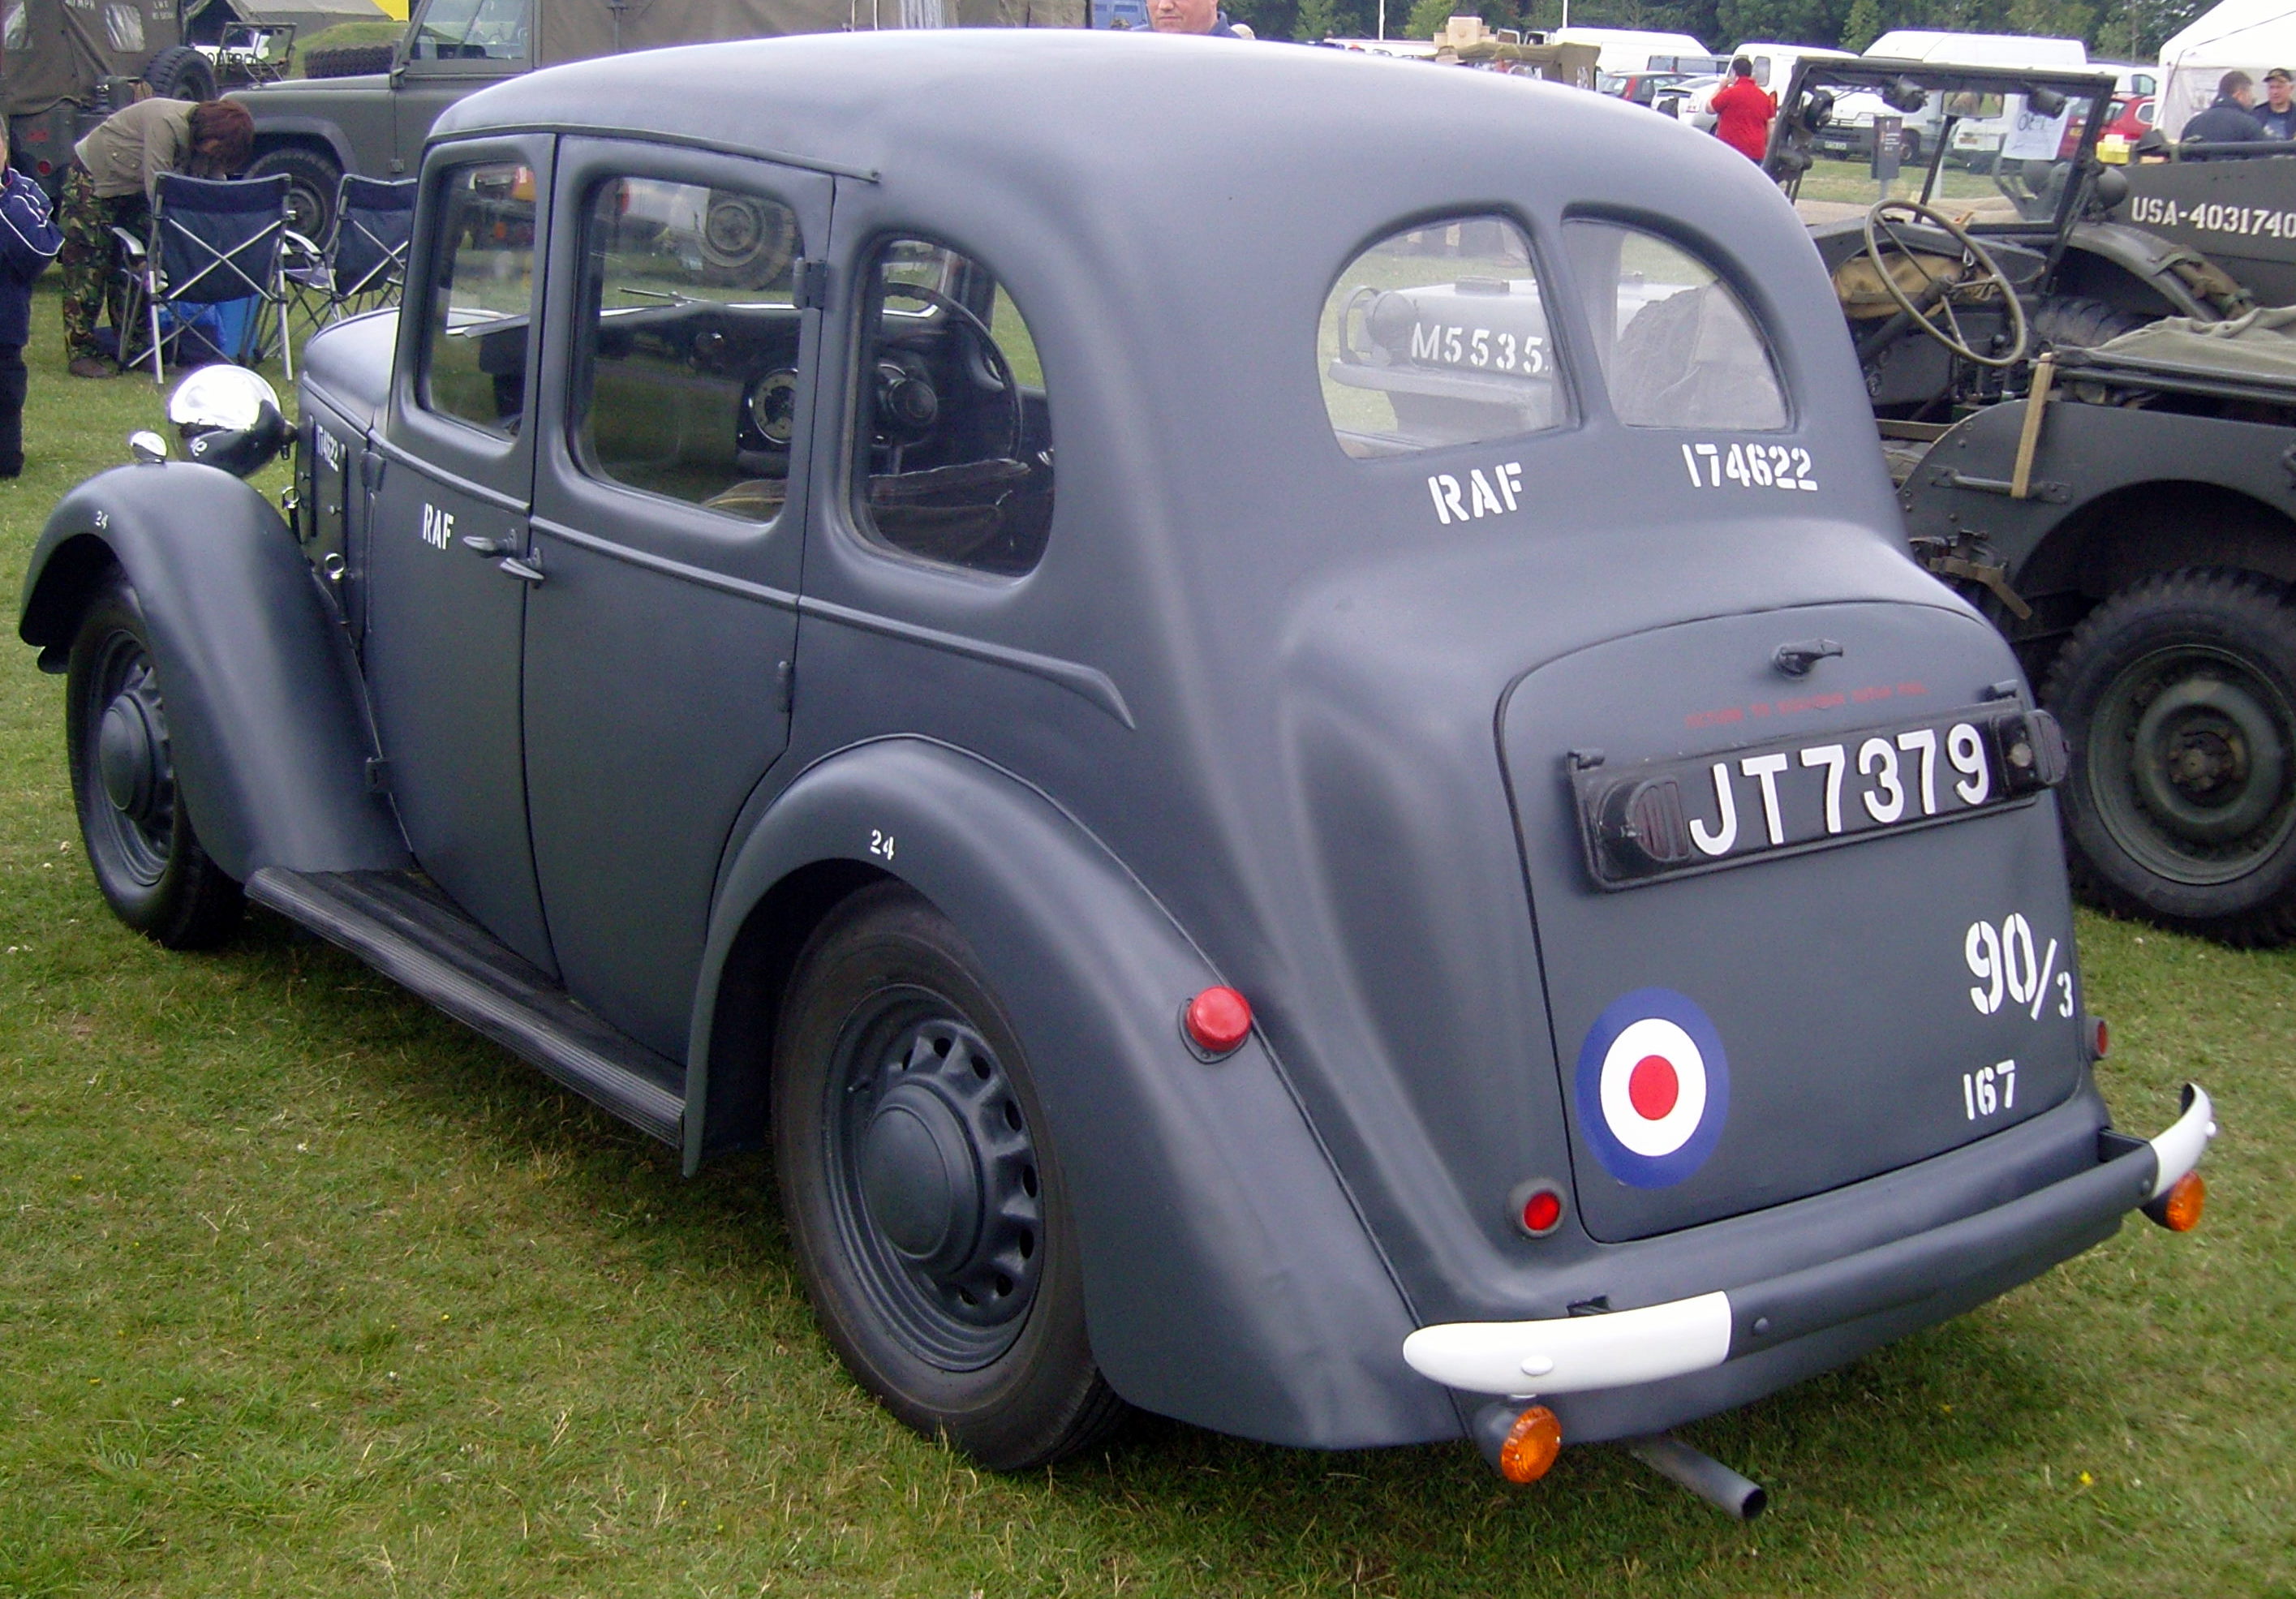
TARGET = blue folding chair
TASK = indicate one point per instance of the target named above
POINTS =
(365, 257)
(211, 243)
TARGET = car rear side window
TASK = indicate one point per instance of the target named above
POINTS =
(1676, 346)
(953, 451)
(687, 381)
(1437, 336)
(482, 295)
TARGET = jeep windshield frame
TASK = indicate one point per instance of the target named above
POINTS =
(2088, 95)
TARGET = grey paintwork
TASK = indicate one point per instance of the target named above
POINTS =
(1257, 718)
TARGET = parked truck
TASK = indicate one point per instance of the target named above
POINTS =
(374, 123)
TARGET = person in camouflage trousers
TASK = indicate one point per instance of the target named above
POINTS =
(85, 264)
(114, 171)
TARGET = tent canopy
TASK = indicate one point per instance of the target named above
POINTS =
(2246, 36)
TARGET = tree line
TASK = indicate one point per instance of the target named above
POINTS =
(2114, 29)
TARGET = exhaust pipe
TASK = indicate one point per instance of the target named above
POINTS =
(1733, 1495)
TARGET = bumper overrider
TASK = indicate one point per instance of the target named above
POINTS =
(1525, 1360)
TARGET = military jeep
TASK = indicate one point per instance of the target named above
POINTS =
(1396, 852)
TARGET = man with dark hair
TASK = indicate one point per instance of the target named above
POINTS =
(2228, 121)
(114, 171)
(1743, 110)
(2277, 115)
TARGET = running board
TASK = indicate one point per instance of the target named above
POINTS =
(403, 927)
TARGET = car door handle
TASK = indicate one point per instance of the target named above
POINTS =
(525, 569)
(505, 545)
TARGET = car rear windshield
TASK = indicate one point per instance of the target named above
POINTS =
(1437, 336)
(1676, 347)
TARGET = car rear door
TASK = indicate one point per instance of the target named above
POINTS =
(669, 513)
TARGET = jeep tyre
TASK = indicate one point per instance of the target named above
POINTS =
(312, 179)
(348, 61)
(927, 1211)
(141, 843)
(2178, 695)
(2067, 321)
(180, 72)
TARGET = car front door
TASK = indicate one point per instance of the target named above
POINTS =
(677, 381)
(447, 577)
(452, 48)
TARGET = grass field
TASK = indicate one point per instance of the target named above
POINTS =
(305, 1290)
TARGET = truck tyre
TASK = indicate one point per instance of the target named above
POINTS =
(312, 179)
(928, 1213)
(2070, 323)
(180, 72)
(348, 61)
(141, 843)
(2178, 695)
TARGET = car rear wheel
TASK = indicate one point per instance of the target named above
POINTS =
(918, 1184)
(2180, 697)
(141, 843)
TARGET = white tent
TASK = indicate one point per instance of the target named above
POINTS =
(2251, 36)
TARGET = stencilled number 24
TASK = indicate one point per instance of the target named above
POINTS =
(880, 844)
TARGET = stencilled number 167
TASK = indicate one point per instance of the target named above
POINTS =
(1988, 1089)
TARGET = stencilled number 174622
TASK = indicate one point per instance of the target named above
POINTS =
(1749, 466)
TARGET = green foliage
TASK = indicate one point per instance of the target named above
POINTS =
(1862, 25)
(1318, 20)
(1428, 17)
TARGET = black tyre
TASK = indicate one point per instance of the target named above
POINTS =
(312, 178)
(180, 72)
(141, 843)
(2069, 322)
(1909, 148)
(2180, 697)
(745, 242)
(347, 61)
(922, 1195)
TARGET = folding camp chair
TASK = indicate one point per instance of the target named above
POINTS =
(365, 257)
(211, 243)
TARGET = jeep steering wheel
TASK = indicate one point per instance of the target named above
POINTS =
(998, 367)
(1949, 333)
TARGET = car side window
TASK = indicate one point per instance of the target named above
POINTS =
(455, 30)
(1438, 336)
(686, 375)
(953, 444)
(1676, 346)
(482, 291)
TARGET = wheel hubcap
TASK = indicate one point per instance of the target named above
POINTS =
(936, 1185)
(2189, 765)
(133, 824)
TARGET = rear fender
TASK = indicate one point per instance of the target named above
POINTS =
(1228, 1281)
(265, 713)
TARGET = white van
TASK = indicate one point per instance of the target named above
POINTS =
(1979, 49)
(1630, 49)
(1774, 65)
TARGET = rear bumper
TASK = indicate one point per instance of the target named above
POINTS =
(1679, 1337)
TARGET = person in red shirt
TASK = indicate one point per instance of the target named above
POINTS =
(1743, 110)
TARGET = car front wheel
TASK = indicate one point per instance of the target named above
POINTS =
(140, 844)
(922, 1195)
(2178, 695)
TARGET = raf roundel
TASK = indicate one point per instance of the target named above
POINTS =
(1653, 1087)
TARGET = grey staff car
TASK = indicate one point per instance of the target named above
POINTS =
(1292, 765)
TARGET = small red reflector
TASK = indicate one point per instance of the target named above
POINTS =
(2102, 1039)
(1218, 1020)
(47, 167)
(1542, 1210)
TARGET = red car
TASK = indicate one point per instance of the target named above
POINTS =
(2127, 120)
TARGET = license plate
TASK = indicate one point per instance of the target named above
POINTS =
(1671, 817)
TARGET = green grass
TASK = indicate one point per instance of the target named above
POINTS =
(305, 1290)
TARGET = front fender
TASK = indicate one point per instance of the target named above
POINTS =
(264, 715)
(1228, 1281)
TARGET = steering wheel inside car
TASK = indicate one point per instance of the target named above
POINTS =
(1000, 369)
(1939, 293)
